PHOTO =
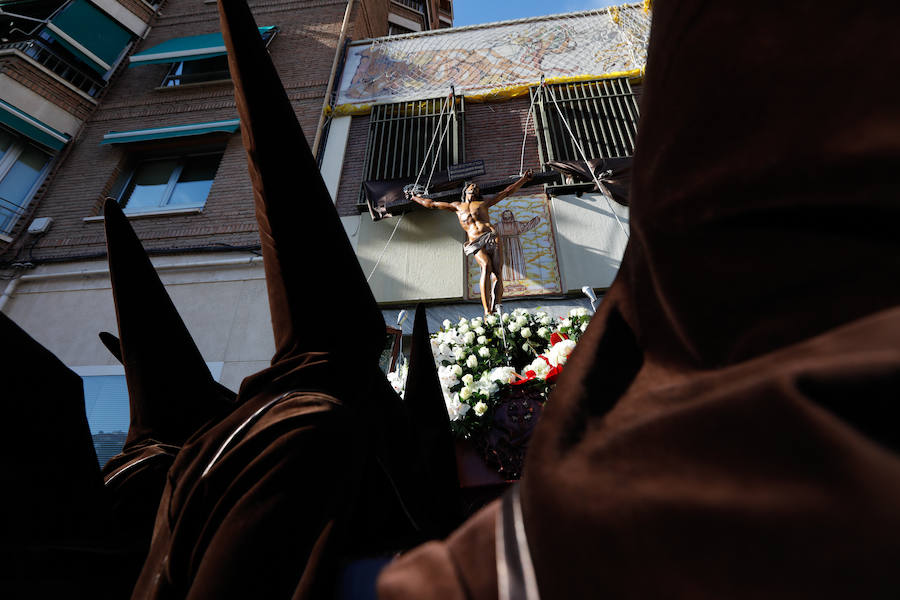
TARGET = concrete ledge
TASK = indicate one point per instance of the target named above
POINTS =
(151, 213)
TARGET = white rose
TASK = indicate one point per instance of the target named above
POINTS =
(545, 321)
(458, 352)
(578, 312)
(446, 324)
(465, 393)
(469, 337)
(526, 347)
(526, 332)
(468, 379)
(513, 327)
(540, 314)
(566, 323)
(463, 327)
(471, 361)
(486, 386)
(456, 370)
(481, 340)
(505, 317)
(584, 327)
(490, 320)
(476, 322)
(502, 374)
(444, 350)
(484, 352)
(480, 408)
(479, 330)
(498, 333)
(522, 321)
(560, 352)
(543, 332)
(539, 366)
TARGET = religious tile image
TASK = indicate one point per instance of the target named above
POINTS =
(530, 266)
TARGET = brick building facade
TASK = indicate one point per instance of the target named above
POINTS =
(160, 114)
(158, 131)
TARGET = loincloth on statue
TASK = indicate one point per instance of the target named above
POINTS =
(486, 241)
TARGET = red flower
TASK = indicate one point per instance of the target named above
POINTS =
(556, 338)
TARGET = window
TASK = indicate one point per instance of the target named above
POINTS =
(168, 182)
(197, 71)
(106, 405)
(22, 168)
(208, 68)
(89, 34)
(107, 410)
(394, 29)
(602, 116)
(400, 135)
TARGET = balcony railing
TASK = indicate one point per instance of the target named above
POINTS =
(43, 55)
(416, 5)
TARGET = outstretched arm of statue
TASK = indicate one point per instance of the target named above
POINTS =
(511, 189)
(429, 203)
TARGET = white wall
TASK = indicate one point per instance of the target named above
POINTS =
(225, 308)
(589, 241)
(424, 261)
(37, 106)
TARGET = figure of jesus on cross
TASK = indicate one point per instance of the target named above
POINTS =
(483, 242)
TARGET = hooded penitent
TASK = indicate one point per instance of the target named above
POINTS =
(725, 428)
(56, 518)
(171, 392)
(169, 384)
(303, 472)
(439, 506)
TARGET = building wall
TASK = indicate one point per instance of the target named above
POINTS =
(18, 70)
(225, 309)
(424, 260)
(303, 52)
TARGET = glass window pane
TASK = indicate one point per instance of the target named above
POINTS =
(195, 181)
(106, 405)
(148, 185)
(6, 141)
(17, 183)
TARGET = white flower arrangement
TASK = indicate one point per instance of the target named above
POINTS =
(397, 378)
(483, 359)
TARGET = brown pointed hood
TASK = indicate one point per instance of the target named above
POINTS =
(112, 343)
(764, 185)
(54, 492)
(171, 392)
(434, 456)
(318, 296)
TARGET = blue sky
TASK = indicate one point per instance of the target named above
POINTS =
(470, 12)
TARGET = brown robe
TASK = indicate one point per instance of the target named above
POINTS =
(726, 427)
(310, 469)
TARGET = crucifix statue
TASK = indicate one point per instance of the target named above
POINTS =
(482, 240)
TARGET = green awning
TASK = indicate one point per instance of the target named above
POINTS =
(31, 128)
(91, 35)
(195, 47)
(159, 133)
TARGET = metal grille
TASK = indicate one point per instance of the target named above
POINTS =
(602, 115)
(400, 135)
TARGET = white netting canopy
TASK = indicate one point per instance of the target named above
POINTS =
(499, 59)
